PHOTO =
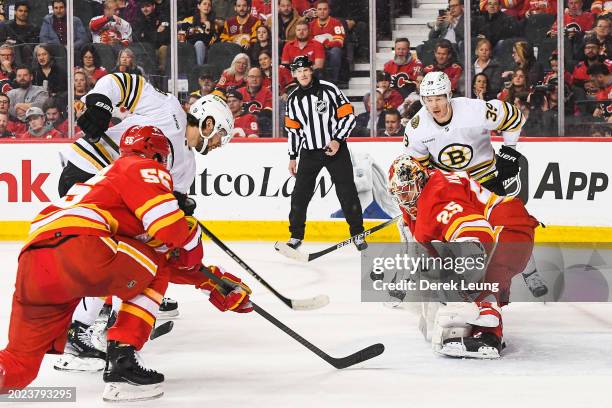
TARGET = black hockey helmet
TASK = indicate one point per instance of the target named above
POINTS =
(301, 61)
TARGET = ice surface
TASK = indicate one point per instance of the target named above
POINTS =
(558, 354)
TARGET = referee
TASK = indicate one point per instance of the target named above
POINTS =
(318, 119)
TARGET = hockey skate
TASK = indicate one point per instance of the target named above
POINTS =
(360, 243)
(168, 309)
(294, 243)
(535, 283)
(125, 377)
(80, 355)
(479, 336)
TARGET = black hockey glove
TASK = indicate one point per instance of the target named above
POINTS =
(185, 203)
(507, 162)
(94, 121)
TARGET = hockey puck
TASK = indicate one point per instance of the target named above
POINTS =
(376, 276)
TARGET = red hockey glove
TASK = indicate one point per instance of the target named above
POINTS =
(190, 256)
(236, 300)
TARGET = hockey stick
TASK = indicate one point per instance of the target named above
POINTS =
(295, 304)
(289, 252)
(339, 363)
(162, 329)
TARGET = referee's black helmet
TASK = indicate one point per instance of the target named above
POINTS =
(301, 62)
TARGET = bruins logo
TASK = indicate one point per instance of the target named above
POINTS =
(456, 156)
(415, 122)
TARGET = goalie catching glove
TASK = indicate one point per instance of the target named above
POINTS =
(507, 162)
(232, 294)
(94, 121)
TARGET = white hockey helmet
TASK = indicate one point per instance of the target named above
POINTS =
(213, 106)
(434, 84)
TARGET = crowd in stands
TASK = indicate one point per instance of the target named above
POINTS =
(226, 46)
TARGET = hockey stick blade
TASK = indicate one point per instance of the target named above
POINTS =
(161, 330)
(295, 304)
(358, 357)
(289, 252)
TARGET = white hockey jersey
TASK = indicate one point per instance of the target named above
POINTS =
(147, 106)
(464, 143)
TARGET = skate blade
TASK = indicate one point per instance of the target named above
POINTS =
(125, 392)
(72, 363)
(458, 350)
(171, 314)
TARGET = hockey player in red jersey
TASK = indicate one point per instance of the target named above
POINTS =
(120, 233)
(450, 207)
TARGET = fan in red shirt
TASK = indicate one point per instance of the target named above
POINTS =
(574, 16)
(255, 96)
(109, 236)
(443, 209)
(403, 68)
(235, 75)
(37, 126)
(592, 49)
(443, 56)
(392, 98)
(329, 31)
(305, 8)
(600, 74)
(303, 45)
(245, 124)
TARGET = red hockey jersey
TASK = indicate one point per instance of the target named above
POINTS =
(453, 205)
(331, 34)
(259, 101)
(246, 126)
(132, 198)
(402, 74)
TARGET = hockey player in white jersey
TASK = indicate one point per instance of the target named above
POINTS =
(208, 125)
(454, 134)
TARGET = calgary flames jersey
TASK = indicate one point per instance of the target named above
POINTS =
(131, 198)
(145, 105)
(464, 143)
(401, 75)
(246, 126)
(454, 205)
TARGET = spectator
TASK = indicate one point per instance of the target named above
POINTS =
(518, 84)
(601, 33)
(329, 31)
(263, 43)
(574, 16)
(245, 123)
(223, 10)
(235, 75)
(393, 123)
(14, 126)
(363, 119)
(128, 10)
(38, 127)
(7, 67)
(450, 25)
(288, 18)
(19, 30)
(47, 73)
(601, 7)
(304, 45)
(53, 28)
(487, 65)
(109, 28)
(200, 29)
(533, 7)
(4, 132)
(592, 56)
(255, 96)
(443, 56)
(264, 62)
(554, 70)
(27, 95)
(306, 9)
(163, 8)
(354, 17)
(522, 53)
(190, 101)
(90, 64)
(480, 87)
(242, 28)
(262, 9)
(494, 25)
(411, 111)
(81, 85)
(55, 117)
(541, 120)
(392, 98)
(600, 74)
(403, 68)
(151, 28)
(206, 84)
(126, 63)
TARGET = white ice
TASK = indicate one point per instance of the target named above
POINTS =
(558, 355)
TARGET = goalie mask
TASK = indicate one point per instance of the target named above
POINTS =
(213, 106)
(146, 141)
(406, 181)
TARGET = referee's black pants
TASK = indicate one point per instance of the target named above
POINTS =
(341, 170)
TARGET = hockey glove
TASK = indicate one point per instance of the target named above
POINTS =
(232, 295)
(190, 256)
(94, 121)
(185, 203)
(507, 162)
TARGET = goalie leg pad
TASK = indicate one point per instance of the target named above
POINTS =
(72, 363)
(451, 321)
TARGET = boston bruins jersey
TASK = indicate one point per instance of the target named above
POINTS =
(464, 143)
(144, 105)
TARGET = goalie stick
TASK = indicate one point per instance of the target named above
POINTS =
(289, 252)
(316, 302)
(339, 363)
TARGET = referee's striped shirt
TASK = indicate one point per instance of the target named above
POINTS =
(317, 115)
